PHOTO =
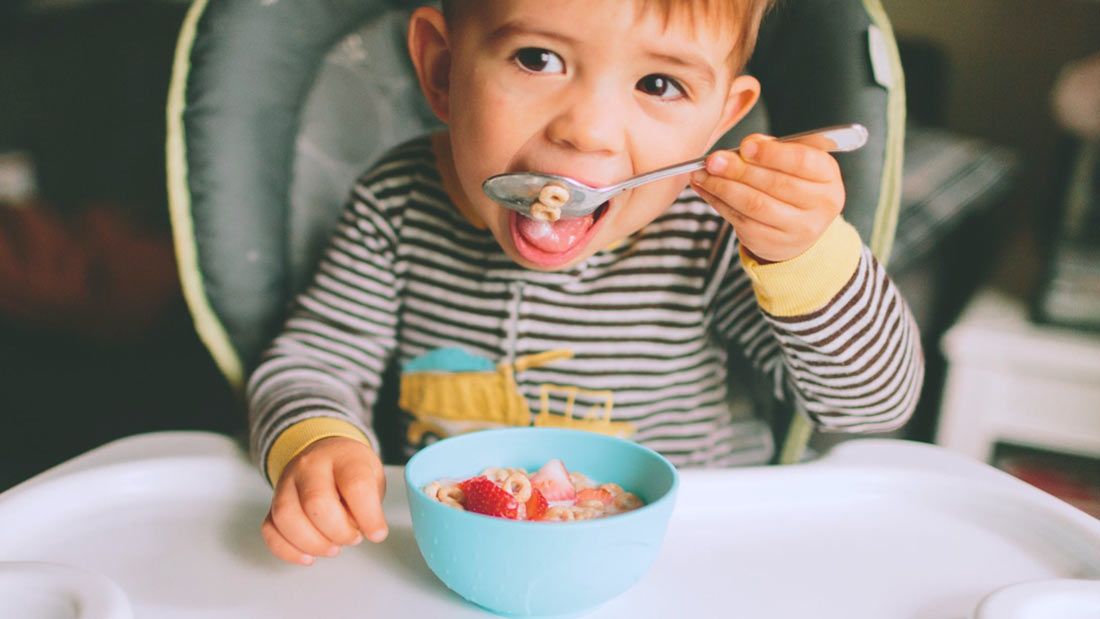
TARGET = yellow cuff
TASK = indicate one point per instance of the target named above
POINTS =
(807, 282)
(297, 437)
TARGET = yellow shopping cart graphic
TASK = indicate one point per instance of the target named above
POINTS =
(445, 403)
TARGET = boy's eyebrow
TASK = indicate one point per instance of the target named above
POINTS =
(687, 61)
(516, 27)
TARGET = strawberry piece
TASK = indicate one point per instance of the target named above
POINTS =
(485, 497)
(595, 494)
(536, 505)
(552, 480)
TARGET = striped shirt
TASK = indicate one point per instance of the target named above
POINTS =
(651, 320)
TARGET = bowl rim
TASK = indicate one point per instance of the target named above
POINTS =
(669, 495)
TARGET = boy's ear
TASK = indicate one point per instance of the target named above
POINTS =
(743, 94)
(430, 51)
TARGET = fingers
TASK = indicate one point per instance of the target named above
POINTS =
(764, 241)
(797, 159)
(292, 523)
(735, 198)
(779, 196)
(785, 188)
(362, 487)
(772, 230)
(279, 545)
(327, 497)
(321, 503)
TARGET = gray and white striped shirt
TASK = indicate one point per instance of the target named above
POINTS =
(650, 321)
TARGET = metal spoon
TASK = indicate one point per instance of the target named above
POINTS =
(519, 190)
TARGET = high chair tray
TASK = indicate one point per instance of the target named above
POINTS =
(877, 529)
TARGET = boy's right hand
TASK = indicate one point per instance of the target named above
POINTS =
(330, 495)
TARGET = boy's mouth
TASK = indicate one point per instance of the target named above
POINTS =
(551, 245)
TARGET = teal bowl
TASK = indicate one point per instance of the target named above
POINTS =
(547, 569)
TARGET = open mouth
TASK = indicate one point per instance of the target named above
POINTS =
(549, 245)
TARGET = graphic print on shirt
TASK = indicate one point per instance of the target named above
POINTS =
(449, 391)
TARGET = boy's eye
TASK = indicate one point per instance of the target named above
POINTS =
(661, 86)
(538, 60)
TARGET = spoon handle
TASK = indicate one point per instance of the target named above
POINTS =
(672, 170)
(836, 139)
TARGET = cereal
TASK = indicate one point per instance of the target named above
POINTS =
(561, 514)
(585, 513)
(627, 501)
(519, 486)
(614, 489)
(432, 489)
(551, 494)
(581, 481)
(554, 196)
(496, 474)
(451, 493)
(544, 212)
(454, 504)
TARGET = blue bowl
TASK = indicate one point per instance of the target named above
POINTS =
(540, 568)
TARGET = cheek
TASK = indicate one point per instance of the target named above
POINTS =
(477, 127)
(675, 133)
(476, 158)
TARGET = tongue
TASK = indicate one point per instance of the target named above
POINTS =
(556, 237)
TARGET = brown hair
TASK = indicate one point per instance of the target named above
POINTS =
(737, 19)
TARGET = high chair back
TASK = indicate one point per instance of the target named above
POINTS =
(276, 106)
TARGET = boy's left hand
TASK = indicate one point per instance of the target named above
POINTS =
(779, 196)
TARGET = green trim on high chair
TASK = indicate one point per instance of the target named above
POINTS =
(210, 329)
(886, 214)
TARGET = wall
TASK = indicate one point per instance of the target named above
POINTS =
(1004, 56)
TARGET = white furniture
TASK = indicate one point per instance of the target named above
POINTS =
(1013, 381)
(876, 529)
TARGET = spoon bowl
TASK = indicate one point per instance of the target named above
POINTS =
(519, 191)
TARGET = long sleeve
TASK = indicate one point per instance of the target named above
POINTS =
(320, 376)
(829, 327)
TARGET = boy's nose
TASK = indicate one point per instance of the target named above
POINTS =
(591, 123)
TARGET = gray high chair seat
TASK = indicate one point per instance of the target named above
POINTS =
(277, 106)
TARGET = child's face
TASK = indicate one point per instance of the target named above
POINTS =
(589, 89)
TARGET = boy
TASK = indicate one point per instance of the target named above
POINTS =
(618, 322)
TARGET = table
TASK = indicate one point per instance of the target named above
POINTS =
(1010, 380)
(876, 528)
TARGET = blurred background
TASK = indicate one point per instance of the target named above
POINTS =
(998, 247)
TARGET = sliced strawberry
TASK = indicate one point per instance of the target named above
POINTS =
(485, 497)
(536, 505)
(595, 494)
(552, 480)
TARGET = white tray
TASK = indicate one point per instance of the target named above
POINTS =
(876, 529)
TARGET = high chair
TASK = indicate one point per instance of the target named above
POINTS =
(277, 106)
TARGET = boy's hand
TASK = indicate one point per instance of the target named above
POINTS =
(330, 495)
(779, 196)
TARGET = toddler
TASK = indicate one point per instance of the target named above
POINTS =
(617, 322)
